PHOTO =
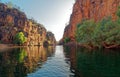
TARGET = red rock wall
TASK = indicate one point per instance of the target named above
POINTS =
(90, 9)
(13, 21)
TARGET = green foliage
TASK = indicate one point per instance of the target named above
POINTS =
(106, 30)
(66, 40)
(20, 38)
(118, 12)
(85, 31)
(21, 55)
(0, 42)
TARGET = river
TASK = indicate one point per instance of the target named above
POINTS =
(59, 61)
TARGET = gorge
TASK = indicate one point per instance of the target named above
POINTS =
(89, 46)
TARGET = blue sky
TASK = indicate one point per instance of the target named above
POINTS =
(53, 14)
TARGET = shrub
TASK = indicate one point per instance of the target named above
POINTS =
(66, 40)
(19, 38)
(104, 31)
(118, 12)
(85, 31)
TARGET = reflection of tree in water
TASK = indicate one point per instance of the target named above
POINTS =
(95, 63)
(11, 64)
(18, 62)
(99, 63)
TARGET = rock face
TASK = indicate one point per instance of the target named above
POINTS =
(13, 21)
(90, 9)
(50, 38)
(35, 33)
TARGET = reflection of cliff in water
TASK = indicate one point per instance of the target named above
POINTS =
(70, 53)
(18, 62)
(94, 63)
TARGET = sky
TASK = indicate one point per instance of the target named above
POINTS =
(53, 14)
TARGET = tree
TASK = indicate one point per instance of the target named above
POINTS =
(85, 31)
(105, 32)
(66, 40)
(118, 12)
(20, 38)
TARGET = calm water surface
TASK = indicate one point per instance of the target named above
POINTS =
(34, 62)
(59, 61)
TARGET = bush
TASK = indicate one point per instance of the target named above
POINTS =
(85, 31)
(118, 12)
(104, 31)
(20, 38)
(66, 40)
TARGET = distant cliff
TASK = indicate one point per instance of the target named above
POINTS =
(90, 9)
(13, 21)
(50, 38)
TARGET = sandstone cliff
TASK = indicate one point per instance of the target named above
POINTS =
(50, 38)
(13, 21)
(90, 9)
